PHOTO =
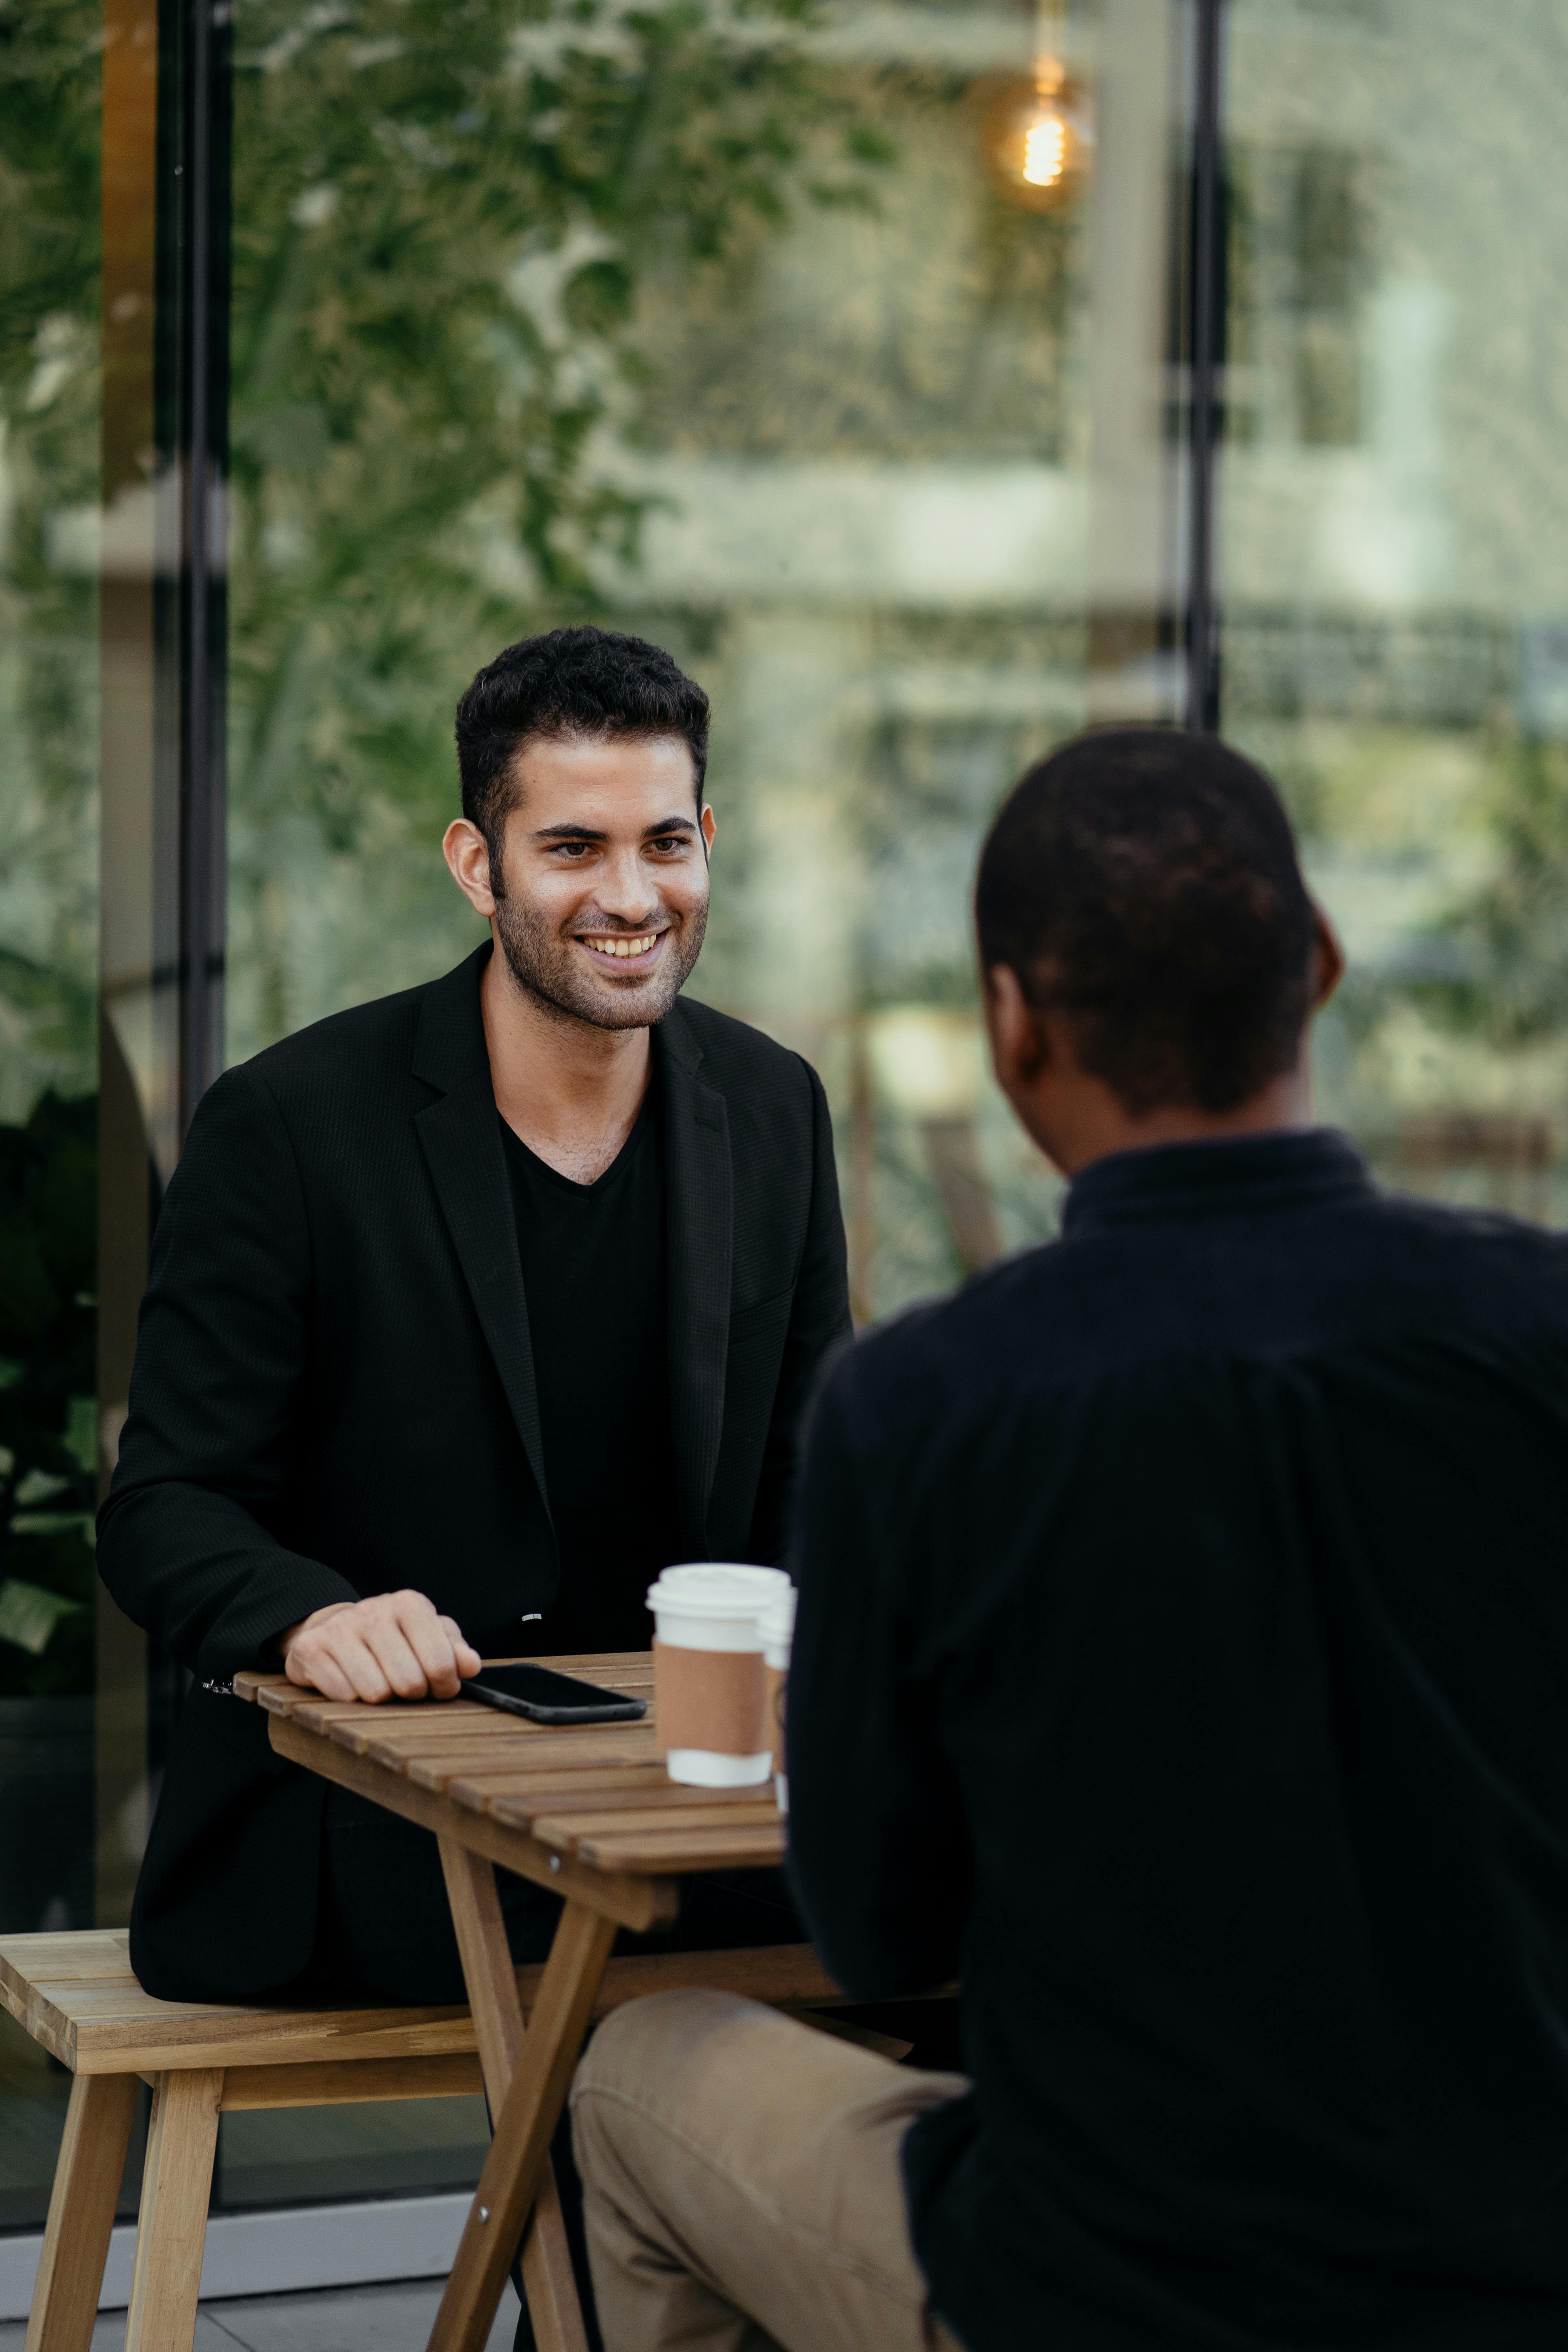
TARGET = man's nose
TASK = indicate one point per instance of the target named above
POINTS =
(624, 889)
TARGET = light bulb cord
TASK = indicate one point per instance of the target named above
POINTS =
(1051, 25)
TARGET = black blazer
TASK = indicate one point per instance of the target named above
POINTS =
(334, 1395)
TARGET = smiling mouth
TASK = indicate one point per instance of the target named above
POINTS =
(636, 947)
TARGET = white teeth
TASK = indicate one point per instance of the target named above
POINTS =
(619, 946)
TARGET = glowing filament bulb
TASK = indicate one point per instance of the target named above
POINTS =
(1037, 133)
(1044, 150)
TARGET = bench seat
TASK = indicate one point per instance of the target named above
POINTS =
(75, 1994)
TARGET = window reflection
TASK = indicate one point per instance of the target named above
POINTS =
(1395, 577)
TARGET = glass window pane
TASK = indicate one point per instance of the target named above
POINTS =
(1395, 535)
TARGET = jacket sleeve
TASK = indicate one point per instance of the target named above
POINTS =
(819, 1326)
(186, 1540)
(879, 1852)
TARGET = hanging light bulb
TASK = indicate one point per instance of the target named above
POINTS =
(1036, 132)
(1045, 150)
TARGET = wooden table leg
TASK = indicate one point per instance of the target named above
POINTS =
(172, 2229)
(524, 2125)
(490, 1975)
(81, 2211)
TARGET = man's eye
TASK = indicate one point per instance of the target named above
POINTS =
(575, 850)
(668, 844)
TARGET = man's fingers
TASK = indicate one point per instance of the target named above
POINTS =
(397, 1659)
(354, 1657)
(315, 1669)
(393, 1644)
(430, 1642)
(338, 1663)
(465, 1655)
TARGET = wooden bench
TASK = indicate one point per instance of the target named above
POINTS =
(76, 1995)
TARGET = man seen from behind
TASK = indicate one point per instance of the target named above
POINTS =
(1181, 1666)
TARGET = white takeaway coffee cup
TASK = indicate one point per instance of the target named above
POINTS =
(778, 1634)
(708, 1671)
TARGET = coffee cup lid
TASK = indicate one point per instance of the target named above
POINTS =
(773, 1579)
(717, 1589)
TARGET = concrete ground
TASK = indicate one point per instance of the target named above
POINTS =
(338, 2319)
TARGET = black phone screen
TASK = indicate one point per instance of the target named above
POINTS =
(547, 1697)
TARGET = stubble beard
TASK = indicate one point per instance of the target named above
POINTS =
(541, 963)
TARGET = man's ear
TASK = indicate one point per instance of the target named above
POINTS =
(709, 825)
(467, 852)
(1328, 959)
(1018, 1050)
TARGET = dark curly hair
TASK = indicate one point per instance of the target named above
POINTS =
(1145, 883)
(582, 681)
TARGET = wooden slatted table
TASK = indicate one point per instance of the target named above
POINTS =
(589, 1813)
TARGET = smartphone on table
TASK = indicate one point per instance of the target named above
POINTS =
(544, 1696)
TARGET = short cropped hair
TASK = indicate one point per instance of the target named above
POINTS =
(1145, 883)
(582, 681)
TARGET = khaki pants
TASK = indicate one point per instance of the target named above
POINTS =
(742, 2186)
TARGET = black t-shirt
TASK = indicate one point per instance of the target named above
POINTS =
(593, 1275)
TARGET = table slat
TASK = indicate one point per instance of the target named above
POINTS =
(457, 1776)
(665, 1855)
(564, 1832)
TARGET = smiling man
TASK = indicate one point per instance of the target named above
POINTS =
(469, 1310)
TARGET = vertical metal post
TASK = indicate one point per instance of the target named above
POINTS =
(131, 1059)
(1205, 356)
(161, 613)
(202, 212)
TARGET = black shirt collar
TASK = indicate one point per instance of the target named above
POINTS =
(1291, 1167)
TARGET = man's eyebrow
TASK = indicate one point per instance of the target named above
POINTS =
(591, 832)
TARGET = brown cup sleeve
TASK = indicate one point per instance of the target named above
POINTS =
(711, 1699)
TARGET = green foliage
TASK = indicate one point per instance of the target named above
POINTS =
(49, 175)
(47, 1255)
(49, 71)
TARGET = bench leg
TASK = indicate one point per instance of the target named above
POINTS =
(172, 2230)
(81, 2211)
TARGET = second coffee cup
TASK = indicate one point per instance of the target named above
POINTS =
(778, 1634)
(708, 1675)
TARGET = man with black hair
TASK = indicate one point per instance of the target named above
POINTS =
(469, 1310)
(1181, 1661)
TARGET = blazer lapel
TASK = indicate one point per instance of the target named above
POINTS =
(699, 1229)
(460, 1136)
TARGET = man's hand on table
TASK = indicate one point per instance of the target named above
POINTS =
(393, 1646)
